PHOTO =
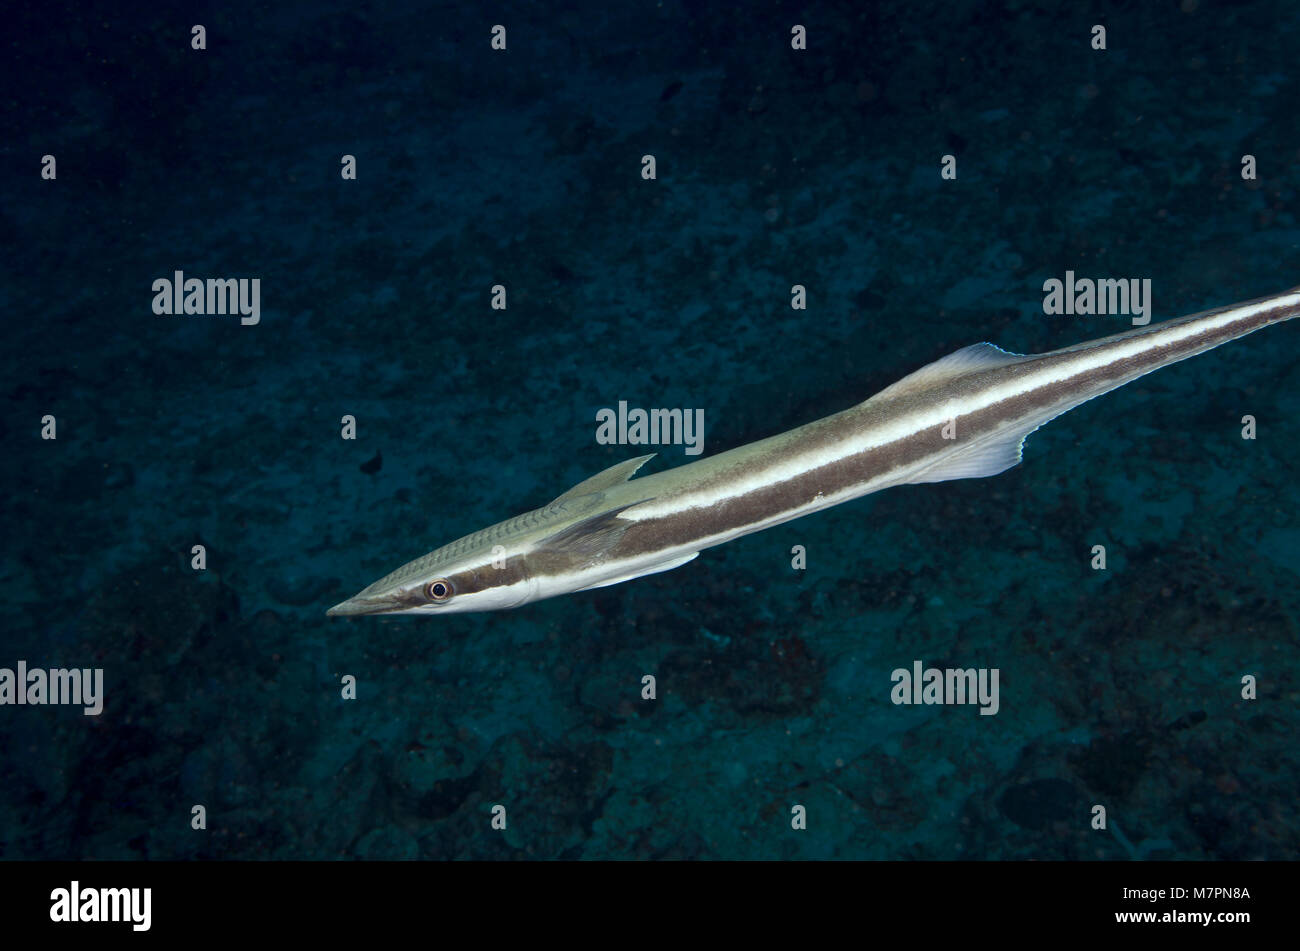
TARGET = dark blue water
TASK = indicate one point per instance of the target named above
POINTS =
(1120, 688)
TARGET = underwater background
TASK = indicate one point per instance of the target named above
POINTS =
(523, 167)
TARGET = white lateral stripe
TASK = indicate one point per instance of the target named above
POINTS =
(1086, 361)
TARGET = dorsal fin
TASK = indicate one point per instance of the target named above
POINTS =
(978, 356)
(614, 475)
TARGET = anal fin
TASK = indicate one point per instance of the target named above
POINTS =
(989, 458)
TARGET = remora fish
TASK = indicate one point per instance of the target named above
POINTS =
(962, 417)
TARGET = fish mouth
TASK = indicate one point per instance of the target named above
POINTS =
(358, 606)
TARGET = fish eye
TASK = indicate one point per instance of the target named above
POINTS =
(439, 591)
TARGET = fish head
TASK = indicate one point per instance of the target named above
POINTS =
(562, 547)
(566, 546)
(471, 574)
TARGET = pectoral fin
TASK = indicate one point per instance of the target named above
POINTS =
(592, 537)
